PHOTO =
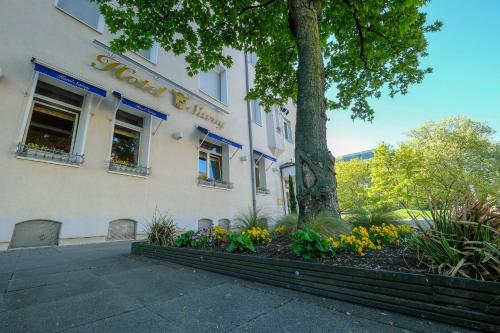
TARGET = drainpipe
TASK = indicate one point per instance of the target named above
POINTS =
(250, 137)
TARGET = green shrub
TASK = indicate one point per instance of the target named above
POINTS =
(251, 219)
(462, 238)
(309, 244)
(323, 223)
(185, 239)
(327, 225)
(366, 217)
(162, 229)
(285, 226)
(239, 243)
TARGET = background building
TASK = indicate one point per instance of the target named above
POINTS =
(92, 142)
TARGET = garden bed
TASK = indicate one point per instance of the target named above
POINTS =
(466, 302)
(392, 258)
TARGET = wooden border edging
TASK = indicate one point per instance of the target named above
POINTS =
(465, 302)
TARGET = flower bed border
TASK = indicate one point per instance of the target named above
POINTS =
(465, 302)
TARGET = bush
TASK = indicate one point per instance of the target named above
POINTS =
(252, 219)
(185, 239)
(365, 217)
(162, 229)
(240, 243)
(462, 238)
(309, 244)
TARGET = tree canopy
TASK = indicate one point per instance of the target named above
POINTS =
(366, 44)
(439, 162)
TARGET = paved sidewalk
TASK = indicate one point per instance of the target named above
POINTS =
(100, 288)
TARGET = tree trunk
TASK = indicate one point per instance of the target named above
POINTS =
(316, 185)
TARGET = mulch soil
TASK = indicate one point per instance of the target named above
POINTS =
(391, 258)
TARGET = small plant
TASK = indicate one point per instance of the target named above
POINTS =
(327, 225)
(462, 238)
(185, 239)
(239, 243)
(309, 244)
(220, 234)
(286, 226)
(323, 223)
(254, 218)
(258, 235)
(162, 229)
(372, 216)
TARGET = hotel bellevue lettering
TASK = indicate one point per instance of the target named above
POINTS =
(124, 73)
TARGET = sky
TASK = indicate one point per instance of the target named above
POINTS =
(465, 57)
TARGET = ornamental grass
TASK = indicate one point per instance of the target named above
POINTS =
(462, 238)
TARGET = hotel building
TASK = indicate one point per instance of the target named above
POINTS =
(92, 143)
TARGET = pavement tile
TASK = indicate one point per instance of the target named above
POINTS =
(216, 309)
(67, 313)
(141, 320)
(363, 312)
(54, 292)
(48, 279)
(294, 317)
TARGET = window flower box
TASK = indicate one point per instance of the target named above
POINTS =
(38, 152)
(214, 183)
(124, 167)
(263, 190)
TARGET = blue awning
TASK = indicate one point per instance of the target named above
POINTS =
(140, 107)
(70, 80)
(270, 158)
(219, 138)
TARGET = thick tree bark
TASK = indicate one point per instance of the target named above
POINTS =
(316, 184)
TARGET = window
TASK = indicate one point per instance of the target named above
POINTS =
(256, 112)
(210, 162)
(84, 11)
(252, 59)
(150, 54)
(214, 84)
(213, 165)
(288, 129)
(129, 144)
(260, 176)
(53, 126)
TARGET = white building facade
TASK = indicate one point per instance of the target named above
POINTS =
(92, 143)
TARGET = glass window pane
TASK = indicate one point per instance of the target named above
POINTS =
(215, 168)
(50, 91)
(211, 147)
(129, 118)
(84, 10)
(210, 83)
(202, 165)
(125, 148)
(51, 129)
(257, 174)
(146, 53)
(257, 113)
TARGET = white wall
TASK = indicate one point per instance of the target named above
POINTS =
(86, 198)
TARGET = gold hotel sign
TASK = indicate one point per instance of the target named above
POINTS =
(124, 73)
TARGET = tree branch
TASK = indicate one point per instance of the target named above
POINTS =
(359, 29)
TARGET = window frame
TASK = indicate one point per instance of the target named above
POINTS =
(208, 154)
(41, 100)
(100, 20)
(224, 89)
(154, 54)
(126, 125)
(76, 157)
(255, 105)
(287, 129)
